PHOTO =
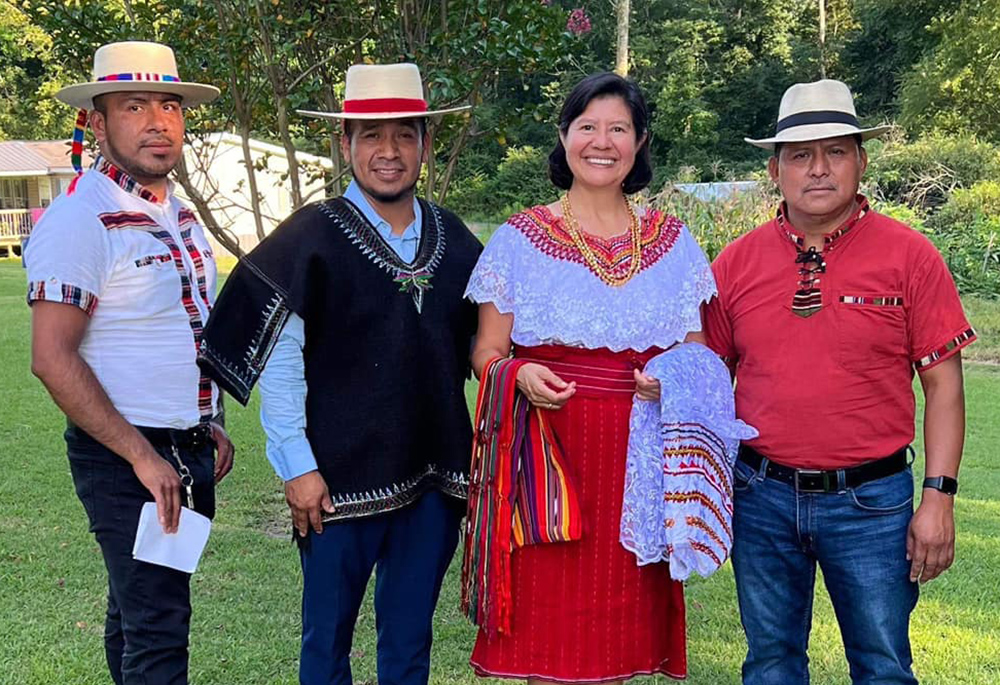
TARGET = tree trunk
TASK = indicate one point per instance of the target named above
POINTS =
(242, 110)
(223, 235)
(280, 93)
(258, 222)
(338, 171)
(822, 38)
(431, 166)
(621, 54)
(449, 170)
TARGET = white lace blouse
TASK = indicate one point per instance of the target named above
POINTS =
(532, 268)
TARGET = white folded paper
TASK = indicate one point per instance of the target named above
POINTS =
(181, 550)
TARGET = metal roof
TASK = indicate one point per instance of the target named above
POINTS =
(36, 158)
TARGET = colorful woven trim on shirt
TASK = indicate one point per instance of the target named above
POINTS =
(830, 239)
(205, 409)
(124, 181)
(520, 493)
(114, 220)
(808, 298)
(873, 301)
(68, 294)
(937, 354)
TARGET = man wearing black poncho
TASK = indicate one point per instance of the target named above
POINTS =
(351, 314)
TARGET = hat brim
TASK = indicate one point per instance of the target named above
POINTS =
(374, 116)
(81, 95)
(810, 132)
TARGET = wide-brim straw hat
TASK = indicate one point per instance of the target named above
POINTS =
(135, 66)
(816, 111)
(383, 91)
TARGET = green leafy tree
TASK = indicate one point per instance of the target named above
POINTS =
(271, 57)
(956, 88)
(887, 39)
(28, 77)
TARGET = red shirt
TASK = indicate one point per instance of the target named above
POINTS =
(833, 388)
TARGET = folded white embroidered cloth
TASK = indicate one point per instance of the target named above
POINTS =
(678, 499)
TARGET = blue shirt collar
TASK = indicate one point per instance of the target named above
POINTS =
(412, 232)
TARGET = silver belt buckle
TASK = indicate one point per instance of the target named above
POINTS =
(825, 487)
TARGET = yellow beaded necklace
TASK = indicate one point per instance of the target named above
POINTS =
(588, 253)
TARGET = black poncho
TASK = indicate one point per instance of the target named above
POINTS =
(386, 348)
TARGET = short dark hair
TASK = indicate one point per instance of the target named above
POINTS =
(857, 139)
(100, 105)
(603, 85)
(419, 122)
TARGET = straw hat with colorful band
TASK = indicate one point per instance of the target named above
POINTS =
(130, 66)
(815, 111)
(383, 91)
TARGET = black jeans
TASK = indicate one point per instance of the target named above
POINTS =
(149, 606)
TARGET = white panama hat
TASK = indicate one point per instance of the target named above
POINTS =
(135, 66)
(383, 91)
(815, 111)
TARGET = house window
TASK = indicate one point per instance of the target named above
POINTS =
(44, 192)
(13, 193)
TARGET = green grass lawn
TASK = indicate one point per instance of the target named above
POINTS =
(246, 594)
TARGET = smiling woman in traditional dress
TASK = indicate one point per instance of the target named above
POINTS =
(585, 291)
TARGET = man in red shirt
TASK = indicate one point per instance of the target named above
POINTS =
(824, 314)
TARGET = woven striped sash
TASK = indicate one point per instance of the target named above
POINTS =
(520, 493)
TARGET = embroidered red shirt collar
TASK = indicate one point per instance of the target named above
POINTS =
(830, 239)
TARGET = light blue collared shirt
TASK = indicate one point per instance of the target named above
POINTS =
(283, 382)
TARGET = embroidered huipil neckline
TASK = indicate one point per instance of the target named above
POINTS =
(123, 180)
(808, 298)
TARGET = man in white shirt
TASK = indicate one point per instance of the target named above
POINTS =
(120, 281)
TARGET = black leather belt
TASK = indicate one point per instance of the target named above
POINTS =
(814, 480)
(187, 438)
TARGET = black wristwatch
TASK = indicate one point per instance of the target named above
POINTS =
(945, 484)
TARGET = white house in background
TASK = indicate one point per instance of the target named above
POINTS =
(217, 168)
(33, 173)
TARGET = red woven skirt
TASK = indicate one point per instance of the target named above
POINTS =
(583, 611)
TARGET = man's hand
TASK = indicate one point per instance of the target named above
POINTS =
(930, 542)
(308, 497)
(164, 484)
(224, 451)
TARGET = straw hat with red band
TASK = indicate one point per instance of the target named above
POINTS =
(135, 66)
(383, 91)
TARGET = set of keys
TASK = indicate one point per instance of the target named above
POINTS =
(187, 480)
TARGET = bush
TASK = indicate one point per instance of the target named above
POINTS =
(967, 232)
(521, 180)
(906, 214)
(923, 173)
(716, 223)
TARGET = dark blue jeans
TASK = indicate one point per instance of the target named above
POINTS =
(410, 549)
(149, 607)
(858, 538)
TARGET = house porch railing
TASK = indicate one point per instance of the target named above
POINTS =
(15, 224)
